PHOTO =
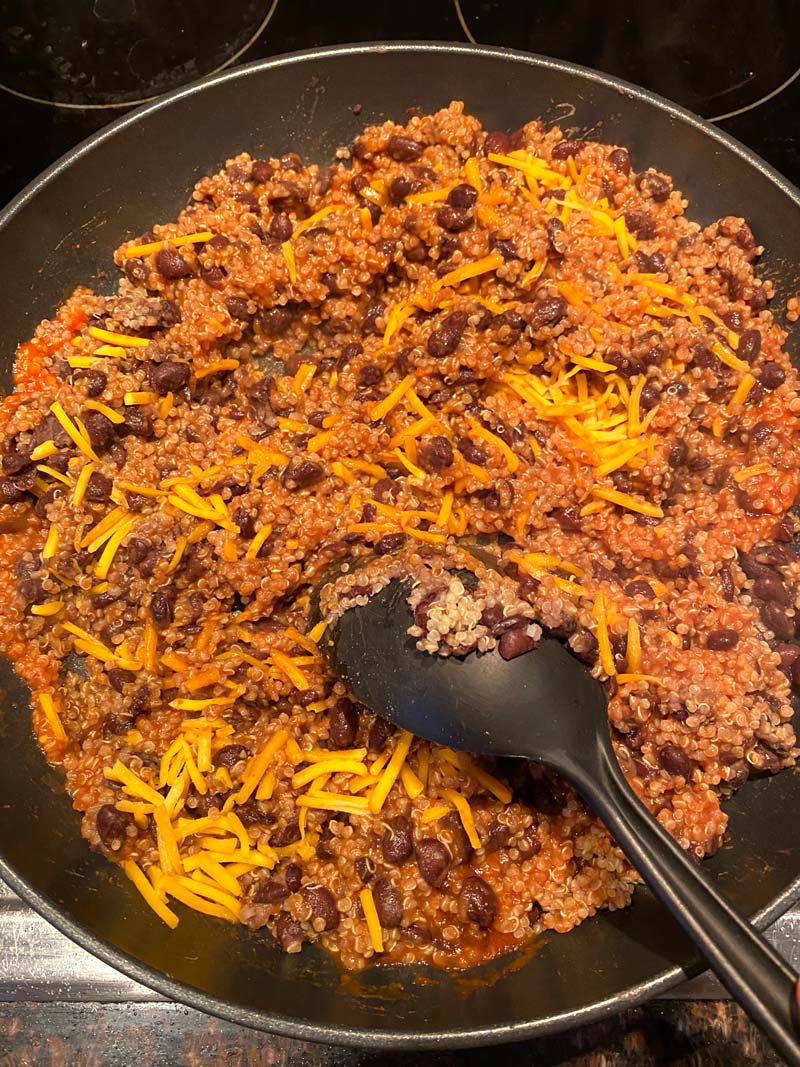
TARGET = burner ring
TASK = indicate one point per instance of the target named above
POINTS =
(227, 34)
(717, 64)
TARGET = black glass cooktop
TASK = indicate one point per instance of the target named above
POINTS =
(68, 67)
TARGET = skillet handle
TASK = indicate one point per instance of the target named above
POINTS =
(745, 962)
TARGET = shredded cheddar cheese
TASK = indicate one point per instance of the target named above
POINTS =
(134, 251)
(372, 920)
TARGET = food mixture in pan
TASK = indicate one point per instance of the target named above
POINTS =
(449, 332)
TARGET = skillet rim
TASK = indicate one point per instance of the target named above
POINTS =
(358, 1037)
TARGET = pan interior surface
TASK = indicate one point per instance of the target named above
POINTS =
(61, 233)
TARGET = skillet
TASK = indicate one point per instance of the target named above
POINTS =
(60, 232)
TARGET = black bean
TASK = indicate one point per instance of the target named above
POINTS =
(722, 640)
(230, 755)
(508, 250)
(289, 933)
(567, 148)
(275, 321)
(98, 488)
(30, 589)
(650, 264)
(449, 244)
(40, 507)
(168, 377)
(749, 345)
(472, 452)
(388, 903)
(237, 308)
(515, 643)
(497, 836)
(379, 733)
(404, 149)
(252, 812)
(250, 201)
(436, 454)
(14, 459)
(323, 905)
(140, 701)
(96, 382)
(139, 424)
(734, 321)
(568, 519)
(460, 846)
(648, 398)
(554, 228)
(656, 186)
(462, 196)
(288, 190)
(369, 374)
(477, 901)
(12, 491)
(789, 654)
(138, 550)
(548, 311)
(293, 875)
(343, 723)
(678, 454)
(397, 844)
(280, 227)
(453, 219)
(388, 543)
(386, 490)
(365, 869)
(497, 143)
(270, 890)
(401, 187)
(198, 807)
(772, 588)
(640, 225)
(374, 311)
(169, 314)
(261, 171)
(776, 619)
(620, 160)
(286, 834)
(726, 581)
(171, 265)
(774, 555)
(213, 276)
(445, 340)
(758, 299)
(433, 860)
(639, 587)
(112, 826)
(117, 678)
(301, 473)
(99, 428)
(772, 375)
(675, 761)
(136, 271)
(753, 566)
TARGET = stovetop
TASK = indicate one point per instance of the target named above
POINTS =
(66, 74)
(68, 67)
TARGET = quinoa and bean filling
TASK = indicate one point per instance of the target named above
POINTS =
(446, 333)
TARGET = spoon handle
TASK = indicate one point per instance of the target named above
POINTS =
(749, 967)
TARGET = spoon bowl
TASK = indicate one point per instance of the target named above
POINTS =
(479, 703)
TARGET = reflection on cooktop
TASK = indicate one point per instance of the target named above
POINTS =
(713, 58)
(107, 53)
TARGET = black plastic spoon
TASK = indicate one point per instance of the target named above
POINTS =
(545, 706)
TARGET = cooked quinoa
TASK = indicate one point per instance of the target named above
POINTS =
(446, 333)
